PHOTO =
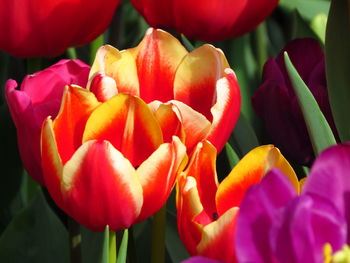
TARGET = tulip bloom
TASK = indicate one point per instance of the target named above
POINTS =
(277, 105)
(208, 20)
(106, 163)
(47, 28)
(207, 211)
(39, 96)
(199, 86)
(279, 226)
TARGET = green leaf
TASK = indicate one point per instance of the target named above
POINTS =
(232, 156)
(35, 235)
(188, 45)
(301, 28)
(174, 246)
(105, 249)
(307, 8)
(123, 249)
(338, 64)
(318, 25)
(319, 131)
(92, 245)
(243, 137)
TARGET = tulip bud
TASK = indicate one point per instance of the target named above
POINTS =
(277, 105)
(40, 96)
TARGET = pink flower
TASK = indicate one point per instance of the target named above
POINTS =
(39, 96)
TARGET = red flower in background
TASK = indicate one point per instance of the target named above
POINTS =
(207, 20)
(33, 28)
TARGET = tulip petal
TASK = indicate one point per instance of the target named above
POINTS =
(157, 58)
(329, 179)
(119, 65)
(167, 117)
(28, 125)
(77, 105)
(188, 206)
(249, 171)
(202, 168)
(99, 195)
(196, 77)
(200, 260)
(54, 79)
(218, 237)
(226, 110)
(52, 166)
(295, 234)
(103, 87)
(195, 124)
(256, 216)
(158, 174)
(126, 122)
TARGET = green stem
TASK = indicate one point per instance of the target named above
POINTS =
(158, 236)
(74, 241)
(33, 65)
(94, 46)
(72, 53)
(112, 247)
(260, 36)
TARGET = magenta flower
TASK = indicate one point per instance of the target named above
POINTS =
(199, 259)
(276, 225)
(276, 104)
(39, 96)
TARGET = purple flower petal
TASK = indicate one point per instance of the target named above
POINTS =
(330, 179)
(200, 260)
(256, 217)
(303, 227)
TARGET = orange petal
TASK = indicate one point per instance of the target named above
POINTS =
(226, 110)
(167, 116)
(103, 87)
(77, 104)
(99, 195)
(158, 174)
(51, 162)
(188, 206)
(249, 171)
(196, 126)
(157, 58)
(195, 79)
(127, 122)
(217, 241)
(202, 167)
(119, 65)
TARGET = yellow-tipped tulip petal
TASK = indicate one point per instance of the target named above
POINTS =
(126, 122)
(249, 171)
(119, 65)
(157, 58)
(77, 105)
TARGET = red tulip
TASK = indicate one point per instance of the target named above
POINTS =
(106, 163)
(32, 28)
(207, 211)
(39, 96)
(207, 20)
(199, 86)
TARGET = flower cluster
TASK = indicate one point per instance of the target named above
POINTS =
(110, 141)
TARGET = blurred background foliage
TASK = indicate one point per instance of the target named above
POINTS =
(30, 222)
